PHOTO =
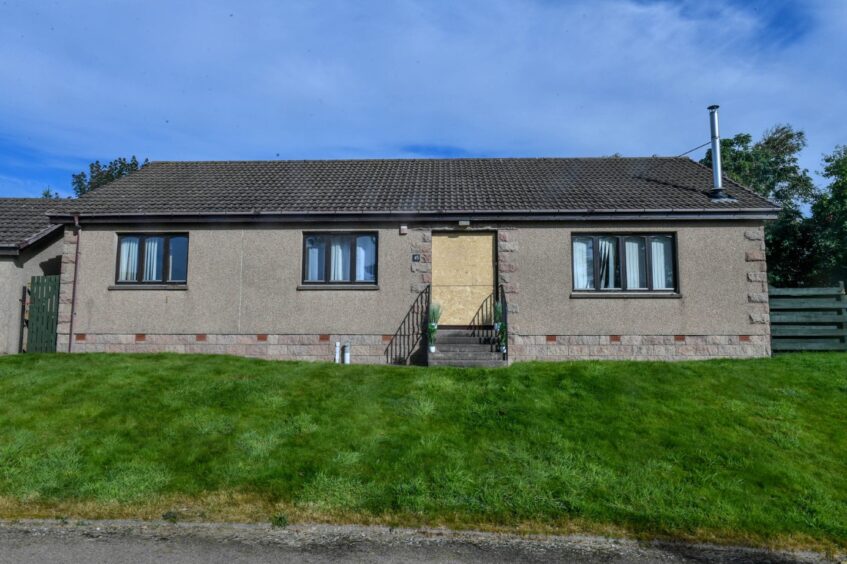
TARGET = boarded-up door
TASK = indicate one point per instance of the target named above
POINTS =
(463, 276)
(43, 314)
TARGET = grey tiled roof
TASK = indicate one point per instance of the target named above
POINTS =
(22, 219)
(415, 186)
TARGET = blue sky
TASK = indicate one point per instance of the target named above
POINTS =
(84, 80)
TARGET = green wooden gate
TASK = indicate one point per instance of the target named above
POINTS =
(43, 314)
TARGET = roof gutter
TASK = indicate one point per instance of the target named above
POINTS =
(758, 214)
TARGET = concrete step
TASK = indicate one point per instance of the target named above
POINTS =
(463, 331)
(453, 340)
(465, 355)
(465, 347)
(458, 336)
(452, 346)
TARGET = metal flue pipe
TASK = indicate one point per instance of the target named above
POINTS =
(717, 176)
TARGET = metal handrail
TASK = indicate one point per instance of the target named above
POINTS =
(505, 308)
(425, 326)
(405, 345)
(482, 324)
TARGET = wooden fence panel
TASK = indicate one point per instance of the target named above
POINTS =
(808, 319)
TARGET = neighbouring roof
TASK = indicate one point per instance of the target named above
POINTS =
(23, 221)
(417, 186)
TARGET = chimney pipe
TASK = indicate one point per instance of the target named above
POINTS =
(717, 180)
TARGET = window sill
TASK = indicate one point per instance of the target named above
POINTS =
(626, 295)
(370, 287)
(176, 287)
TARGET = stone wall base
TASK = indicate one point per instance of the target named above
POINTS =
(372, 349)
(636, 347)
(365, 349)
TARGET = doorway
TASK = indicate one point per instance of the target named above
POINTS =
(463, 275)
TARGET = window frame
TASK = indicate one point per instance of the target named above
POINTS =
(327, 259)
(142, 237)
(620, 237)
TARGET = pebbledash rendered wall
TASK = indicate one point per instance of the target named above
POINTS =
(721, 309)
(244, 295)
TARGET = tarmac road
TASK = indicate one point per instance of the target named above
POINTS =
(119, 542)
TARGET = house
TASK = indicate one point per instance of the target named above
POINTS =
(29, 246)
(592, 258)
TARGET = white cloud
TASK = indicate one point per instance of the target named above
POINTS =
(220, 80)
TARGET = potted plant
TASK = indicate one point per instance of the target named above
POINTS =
(498, 317)
(432, 324)
(500, 333)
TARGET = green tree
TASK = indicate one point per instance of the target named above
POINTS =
(49, 194)
(770, 167)
(829, 215)
(99, 174)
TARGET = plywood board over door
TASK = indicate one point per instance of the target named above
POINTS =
(462, 276)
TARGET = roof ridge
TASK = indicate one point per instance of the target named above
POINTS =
(32, 199)
(412, 159)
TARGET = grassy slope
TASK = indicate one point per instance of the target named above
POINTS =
(730, 449)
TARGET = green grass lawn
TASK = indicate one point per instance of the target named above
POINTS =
(750, 450)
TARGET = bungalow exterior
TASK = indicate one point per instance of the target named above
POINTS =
(29, 246)
(626, 258)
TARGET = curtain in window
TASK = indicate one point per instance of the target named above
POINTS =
(154, 255)
(609, 264)
(339, 259)
(314, 259)
(662, 268)
(636, 271)
(583, 264)
(128, 268)
(365, 258)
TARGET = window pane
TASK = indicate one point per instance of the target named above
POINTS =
(583, 263)
(178, 259)
(339, 259)
(661, 249)
(366, 258)
(610, 263)
(636, 263)
(128, 259)
(154, 259)
(315, 259)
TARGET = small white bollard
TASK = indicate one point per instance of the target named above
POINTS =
(337, 352)
(346, 353)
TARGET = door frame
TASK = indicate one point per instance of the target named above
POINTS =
(495, 260)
